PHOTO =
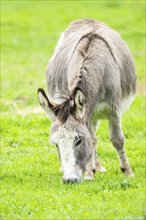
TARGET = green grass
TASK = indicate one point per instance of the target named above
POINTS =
(31, 184)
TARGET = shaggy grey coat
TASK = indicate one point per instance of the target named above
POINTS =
(93, 52)
(92, 58)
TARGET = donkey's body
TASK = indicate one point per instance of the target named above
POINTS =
(93, 58)
(95, 52)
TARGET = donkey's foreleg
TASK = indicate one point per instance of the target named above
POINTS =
(99, 167)
(93, 166)
(90, 169)
(93, 129)
(117, 139)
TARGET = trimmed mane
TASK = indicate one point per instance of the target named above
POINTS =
(62, 111)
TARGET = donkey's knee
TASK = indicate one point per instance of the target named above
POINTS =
(115, 132)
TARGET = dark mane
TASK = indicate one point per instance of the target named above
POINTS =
(65, 109)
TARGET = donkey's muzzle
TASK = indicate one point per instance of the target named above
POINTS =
(72, 180)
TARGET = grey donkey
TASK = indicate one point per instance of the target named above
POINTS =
(91, 76)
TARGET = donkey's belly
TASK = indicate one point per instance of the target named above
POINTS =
(126, 102)
(104, 111)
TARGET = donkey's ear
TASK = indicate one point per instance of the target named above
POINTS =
(45, 103)
(80, 101)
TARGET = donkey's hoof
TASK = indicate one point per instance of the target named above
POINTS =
(128, 172)
(89, 176)
(100, 169)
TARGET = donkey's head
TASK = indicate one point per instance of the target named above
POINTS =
(69, 133)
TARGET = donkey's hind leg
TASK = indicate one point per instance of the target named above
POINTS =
(117, 139)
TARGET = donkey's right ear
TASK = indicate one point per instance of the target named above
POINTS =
(46, 104)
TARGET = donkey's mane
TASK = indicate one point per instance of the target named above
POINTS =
(63, 110)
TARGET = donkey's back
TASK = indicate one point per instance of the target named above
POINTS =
(98, 54)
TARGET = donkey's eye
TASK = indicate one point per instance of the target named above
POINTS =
(78, 142)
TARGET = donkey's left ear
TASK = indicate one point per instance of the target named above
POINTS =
(46, 104)
(80, 101)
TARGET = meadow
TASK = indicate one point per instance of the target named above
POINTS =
(31, 184)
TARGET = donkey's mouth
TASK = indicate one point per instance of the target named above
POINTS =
(66, 181)
(71, 180)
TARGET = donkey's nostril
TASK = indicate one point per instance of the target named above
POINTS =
(72, 180)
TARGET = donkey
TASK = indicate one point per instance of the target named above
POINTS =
(91, 76)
